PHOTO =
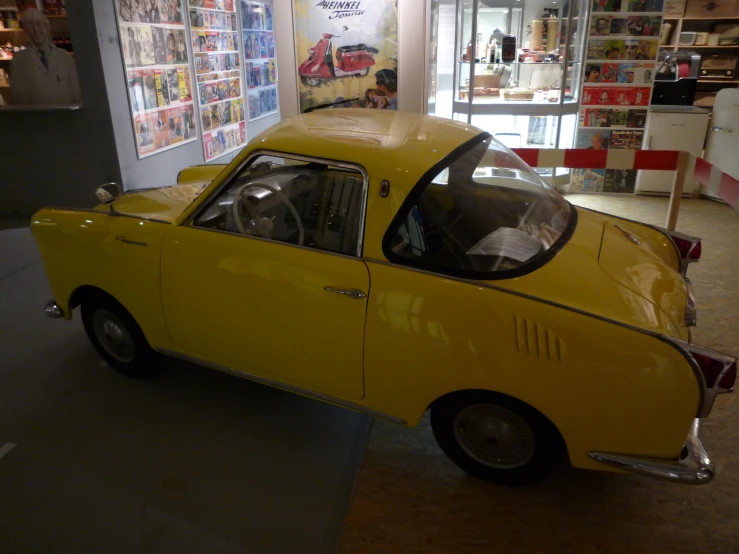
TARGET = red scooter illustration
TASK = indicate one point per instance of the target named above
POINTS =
(354, 60)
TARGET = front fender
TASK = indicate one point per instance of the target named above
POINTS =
(117, 254)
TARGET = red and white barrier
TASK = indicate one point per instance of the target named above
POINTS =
(718, 183)
(585, 158)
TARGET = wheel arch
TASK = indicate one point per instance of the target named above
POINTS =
(454, 394)
(85, 291)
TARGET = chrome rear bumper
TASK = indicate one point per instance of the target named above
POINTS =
(694, 468)
(53, 310)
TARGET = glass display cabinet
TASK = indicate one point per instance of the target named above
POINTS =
(511, 67)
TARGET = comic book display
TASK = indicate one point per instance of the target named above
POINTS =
(260, 68)
(620, 67)
(214, 39)
(347, 53)
(154, 46)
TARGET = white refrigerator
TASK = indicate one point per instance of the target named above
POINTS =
(722, 148)
(672, 128)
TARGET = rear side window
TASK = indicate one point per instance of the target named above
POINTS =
(483, 214)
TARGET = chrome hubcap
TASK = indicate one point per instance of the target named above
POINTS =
(113, 335)
(494, 436)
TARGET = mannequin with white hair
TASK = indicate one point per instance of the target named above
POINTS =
(42, 74)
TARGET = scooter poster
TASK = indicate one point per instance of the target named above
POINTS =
(347, 53)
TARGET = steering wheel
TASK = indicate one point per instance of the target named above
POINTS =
(263, 225)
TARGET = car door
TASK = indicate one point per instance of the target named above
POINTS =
(241, 292)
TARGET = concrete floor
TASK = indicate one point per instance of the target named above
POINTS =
(189, 461)
(411, 499)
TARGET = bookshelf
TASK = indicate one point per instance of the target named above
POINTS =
(708, 87)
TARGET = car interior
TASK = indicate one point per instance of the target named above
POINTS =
(304, 203)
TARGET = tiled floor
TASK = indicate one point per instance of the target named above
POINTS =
(410, 499)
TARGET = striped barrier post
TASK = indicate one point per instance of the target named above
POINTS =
(717, 182)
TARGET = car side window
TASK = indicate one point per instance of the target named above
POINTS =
(300, 202)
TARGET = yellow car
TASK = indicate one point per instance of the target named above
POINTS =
(395, 263)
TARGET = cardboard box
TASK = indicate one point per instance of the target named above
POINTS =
(674, 9)
(487, 82)
(710, 8)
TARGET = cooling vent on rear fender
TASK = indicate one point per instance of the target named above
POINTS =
(536, 340)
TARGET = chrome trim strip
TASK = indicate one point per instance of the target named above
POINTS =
(256, 153)
(114, 214)
(53, 310)
(691, 314)
(695, 468)
(277, 384)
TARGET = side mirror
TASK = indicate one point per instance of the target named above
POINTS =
(108, 193)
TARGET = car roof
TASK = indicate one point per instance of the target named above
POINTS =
(386, 143)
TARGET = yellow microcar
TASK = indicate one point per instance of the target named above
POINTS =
(396, 263)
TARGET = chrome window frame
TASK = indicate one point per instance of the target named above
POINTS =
(288, 155)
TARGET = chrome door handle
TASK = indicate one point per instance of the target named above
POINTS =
(353, 293)
(720, 129)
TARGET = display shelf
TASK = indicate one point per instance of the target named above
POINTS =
(731, 17)
(704, 46)
(516, 63)
(516, 107)
(722, 81)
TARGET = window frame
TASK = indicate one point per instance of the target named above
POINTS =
(228, 181)
(459, 272)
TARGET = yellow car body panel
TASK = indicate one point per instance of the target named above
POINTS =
(117, 254)
(280, 323)
(577, 340)
(427, 336)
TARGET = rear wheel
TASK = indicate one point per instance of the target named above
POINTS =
(117, 337)
(496, 437)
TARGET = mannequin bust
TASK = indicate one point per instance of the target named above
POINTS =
(42, 74)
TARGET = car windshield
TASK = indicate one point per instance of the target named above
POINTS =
(486, 212)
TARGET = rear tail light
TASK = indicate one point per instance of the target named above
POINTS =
(690, 248)
(718, 370)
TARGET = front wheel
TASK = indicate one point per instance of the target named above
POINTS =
(496, 437)
(117, 337)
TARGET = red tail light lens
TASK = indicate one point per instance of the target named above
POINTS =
(712, 368)
(695, 254)
(689, 249)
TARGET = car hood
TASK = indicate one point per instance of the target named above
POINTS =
(163, 204)
(608, 269)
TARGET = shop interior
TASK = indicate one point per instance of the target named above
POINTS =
(193, 460)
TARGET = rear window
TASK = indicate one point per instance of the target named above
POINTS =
(484, 214)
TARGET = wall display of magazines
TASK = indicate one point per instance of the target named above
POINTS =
(620, 66)
(214, 39)
(153, 43)
(259, 58)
